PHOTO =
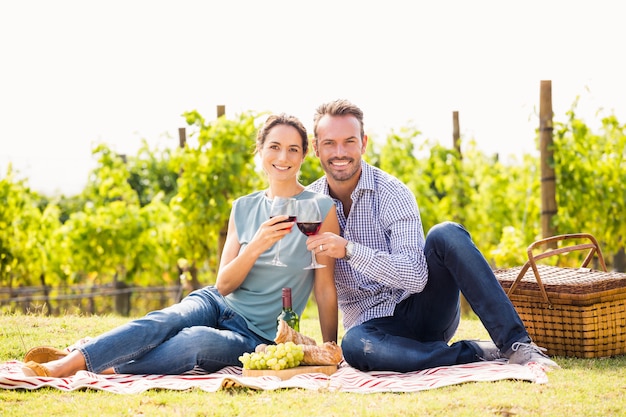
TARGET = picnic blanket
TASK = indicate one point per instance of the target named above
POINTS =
(346, 379)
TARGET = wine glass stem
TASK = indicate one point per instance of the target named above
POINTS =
(277, 257)
(313, 260)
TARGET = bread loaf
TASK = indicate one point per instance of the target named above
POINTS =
(328, 353)
(284, 333)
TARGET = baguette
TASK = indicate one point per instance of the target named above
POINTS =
(284, 333)
(328, 353)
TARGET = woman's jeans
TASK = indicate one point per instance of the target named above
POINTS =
(201, 331)
(416, 337)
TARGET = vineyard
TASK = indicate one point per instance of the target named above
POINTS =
(148, 219)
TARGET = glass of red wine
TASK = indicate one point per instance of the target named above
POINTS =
(282, 206)
(309, 221)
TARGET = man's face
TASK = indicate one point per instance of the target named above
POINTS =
(339, 146)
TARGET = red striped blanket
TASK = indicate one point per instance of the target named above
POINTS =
(346, 379)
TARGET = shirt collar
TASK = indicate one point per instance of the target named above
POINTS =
(366, 182)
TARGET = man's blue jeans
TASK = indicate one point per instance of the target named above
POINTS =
(200, 330)
(417, 335)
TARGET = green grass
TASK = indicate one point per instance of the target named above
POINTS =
(583, 387)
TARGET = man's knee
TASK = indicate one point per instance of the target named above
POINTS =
(444, 235)
(359, 349)
(444, 230)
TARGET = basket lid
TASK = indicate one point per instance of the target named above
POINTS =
(563, 280)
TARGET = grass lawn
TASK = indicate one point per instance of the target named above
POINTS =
(583, 387)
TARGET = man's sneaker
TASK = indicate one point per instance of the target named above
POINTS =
(523, 353)
(486, 350)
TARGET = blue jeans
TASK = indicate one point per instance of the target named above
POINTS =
(417, 335)
(201, 331)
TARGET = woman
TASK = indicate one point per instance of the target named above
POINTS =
(213, 326)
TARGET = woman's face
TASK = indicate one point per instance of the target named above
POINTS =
(282, 153)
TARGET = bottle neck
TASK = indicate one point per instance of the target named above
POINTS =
(287, 299)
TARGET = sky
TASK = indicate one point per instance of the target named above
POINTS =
(74, 74)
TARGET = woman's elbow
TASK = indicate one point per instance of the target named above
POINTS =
(222, 288)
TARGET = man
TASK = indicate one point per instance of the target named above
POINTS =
(399, 292)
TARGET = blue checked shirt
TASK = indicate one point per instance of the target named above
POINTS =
(388, 263)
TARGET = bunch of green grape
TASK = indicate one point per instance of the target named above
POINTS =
(274, 357)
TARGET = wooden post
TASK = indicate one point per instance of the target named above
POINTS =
(619, 260)
(122, 297)
(548, 177)
(182, 137)
(456, 132)
(466, 309)
(221, 240)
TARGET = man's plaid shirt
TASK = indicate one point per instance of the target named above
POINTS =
(388, 263)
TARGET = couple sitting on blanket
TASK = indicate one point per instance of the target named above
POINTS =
(398, 291)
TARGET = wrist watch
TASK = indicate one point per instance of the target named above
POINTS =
(349, 251)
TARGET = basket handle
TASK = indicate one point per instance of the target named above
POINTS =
(593, 247)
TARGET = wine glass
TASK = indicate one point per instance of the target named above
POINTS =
(282, 206)
(309, 221)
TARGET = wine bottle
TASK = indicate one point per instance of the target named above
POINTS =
(287, 314)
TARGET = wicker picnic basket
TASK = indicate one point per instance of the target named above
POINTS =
(576, 312)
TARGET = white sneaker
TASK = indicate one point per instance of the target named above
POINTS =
(523, 353)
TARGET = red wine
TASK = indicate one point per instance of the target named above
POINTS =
(309, 228)
(290, 219)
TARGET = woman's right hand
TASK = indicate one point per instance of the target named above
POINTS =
(272, 230)
(233, 267)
